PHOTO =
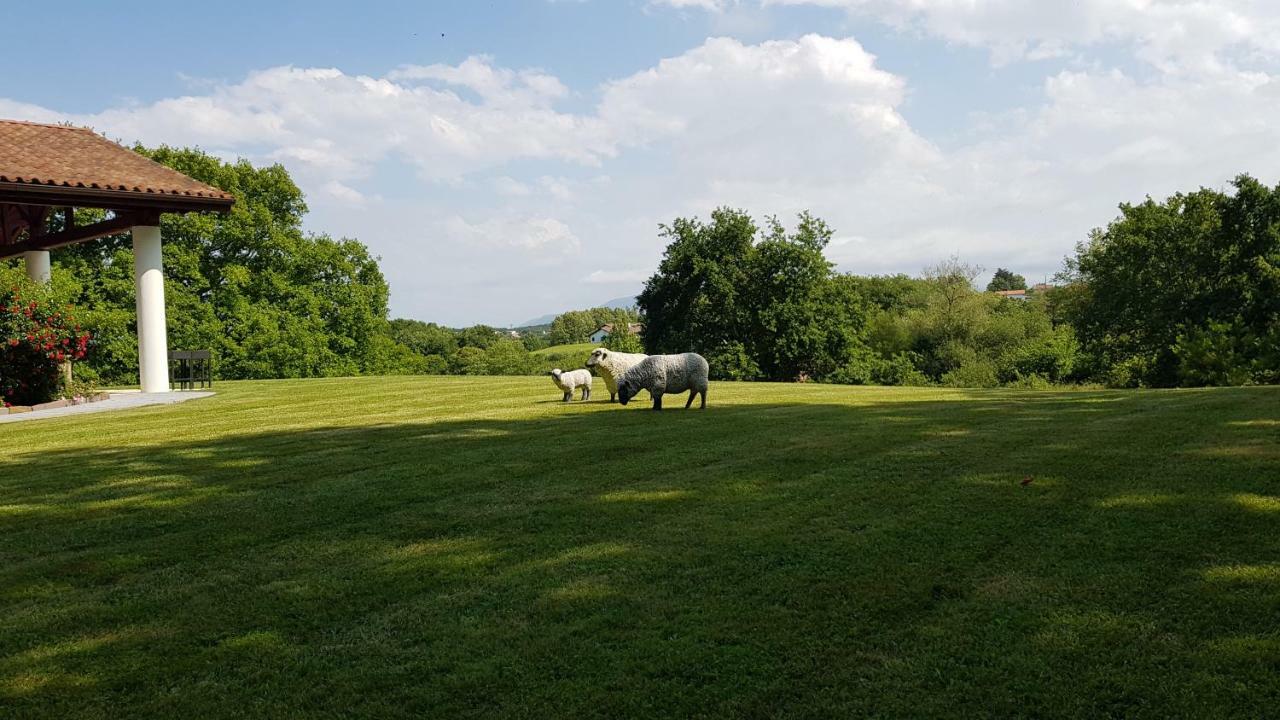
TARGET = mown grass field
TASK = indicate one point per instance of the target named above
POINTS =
(469, 547)
(568, 351)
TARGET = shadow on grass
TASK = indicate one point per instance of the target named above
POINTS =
(1054, 555)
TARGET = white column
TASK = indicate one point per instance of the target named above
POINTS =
(153, 341)
(37, 262)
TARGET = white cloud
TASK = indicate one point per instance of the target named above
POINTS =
(330, 125)
(504, 177)
(618, 277)
(1171, 34)
(530, 234)
(511, 187)
(344, 194)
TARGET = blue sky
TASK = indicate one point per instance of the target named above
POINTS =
(508, 159)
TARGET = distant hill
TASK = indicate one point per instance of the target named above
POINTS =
(622, 302)
(540, 320)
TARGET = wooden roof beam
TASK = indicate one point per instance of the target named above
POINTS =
(70, 236)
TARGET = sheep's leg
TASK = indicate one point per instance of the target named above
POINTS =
(586, 393)
(704, 399)
(657, 401)
(568, 396)
(613, 397)
(692, 395)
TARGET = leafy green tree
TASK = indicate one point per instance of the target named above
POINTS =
(534, 341)
(572, 327)
(1006, 280)
(623, 340)
(479, 336)
(755, 304)
(1169, 282)
(509, 357)
(805, 321)
(694, 301)
(424, 338)
(267, 298)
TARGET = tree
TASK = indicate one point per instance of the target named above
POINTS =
(424, 338)
(756, 305)
(479, 336)
(267, 298)
(803, 322)
(623, 340)
(1167, 284)
(693, 302)
(572, 327)
(1006, 280)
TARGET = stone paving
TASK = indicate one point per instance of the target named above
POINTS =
(118, 401)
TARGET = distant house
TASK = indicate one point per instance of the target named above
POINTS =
(1012, 294)
(1036, 289)
(603, 332)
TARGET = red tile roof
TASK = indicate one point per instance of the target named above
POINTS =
(72, 157)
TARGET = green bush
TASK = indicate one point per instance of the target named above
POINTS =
(732, 362)
(1228, 353)
(972, 374)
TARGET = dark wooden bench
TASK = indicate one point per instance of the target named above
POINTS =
(189, 369)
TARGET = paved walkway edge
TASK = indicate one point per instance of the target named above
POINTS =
(117, 401)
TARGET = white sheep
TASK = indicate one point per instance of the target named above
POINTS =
(611, 366)
(570, 381)
(661, 374)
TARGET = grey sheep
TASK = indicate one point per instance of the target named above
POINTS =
(569, 381)
(660, 374)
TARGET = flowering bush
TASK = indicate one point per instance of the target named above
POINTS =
(35, 337)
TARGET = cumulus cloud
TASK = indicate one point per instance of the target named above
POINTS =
(618, 277)
(525, 233)
(507, 180)
(447, 121)
(1171, 34)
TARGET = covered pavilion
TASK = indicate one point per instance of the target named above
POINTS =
(49, 170)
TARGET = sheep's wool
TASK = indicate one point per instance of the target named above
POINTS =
(661, 374)
(612, 365)
(572, 379)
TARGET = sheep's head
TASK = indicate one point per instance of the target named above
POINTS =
(626, 391)
(556, 373)
(596, 356)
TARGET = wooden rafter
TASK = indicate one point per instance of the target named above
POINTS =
(48, 241)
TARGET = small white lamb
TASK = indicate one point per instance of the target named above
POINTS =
(569, 381)
(611, 366)
(661, 374)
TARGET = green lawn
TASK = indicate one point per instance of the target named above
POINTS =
(583, 349)
(469, 547)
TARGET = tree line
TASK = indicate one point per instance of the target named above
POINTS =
(764, 303)
(1184, 291)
